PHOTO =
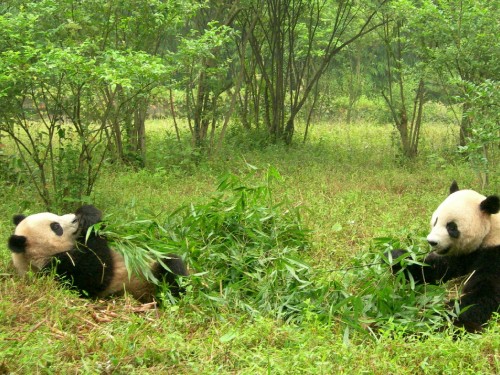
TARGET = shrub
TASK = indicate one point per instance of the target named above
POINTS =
(245, 249)
(247, 252)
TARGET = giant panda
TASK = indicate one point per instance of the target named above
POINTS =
(465, 240)
(46, 242)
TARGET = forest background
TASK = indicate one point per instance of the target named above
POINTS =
(328, 129)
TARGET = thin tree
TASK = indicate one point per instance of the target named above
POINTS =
(293, 45)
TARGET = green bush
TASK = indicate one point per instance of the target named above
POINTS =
(247, 252)
(245, 249)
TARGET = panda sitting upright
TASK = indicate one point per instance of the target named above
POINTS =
(465, 238)
(45, 241)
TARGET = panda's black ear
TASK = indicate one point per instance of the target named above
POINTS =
(491, 205)
(454, 187)
(16, 219)
(17, 244)
(87, 216)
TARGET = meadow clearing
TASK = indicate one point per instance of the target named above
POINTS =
(356, 198)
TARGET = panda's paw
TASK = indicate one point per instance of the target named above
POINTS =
(87, 216)
(392, 257)
(433, 257)
(469, 326)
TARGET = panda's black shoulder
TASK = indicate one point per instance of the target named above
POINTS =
(487, 259)
(491, 252)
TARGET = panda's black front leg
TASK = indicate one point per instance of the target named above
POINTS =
(480, 299)
(437, 268)
(86, 268)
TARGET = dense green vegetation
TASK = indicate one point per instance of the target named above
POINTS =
(90, 73)
(346, 312)
(281, 147)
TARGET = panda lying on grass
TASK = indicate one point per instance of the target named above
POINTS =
(48, 242)
(465, 238)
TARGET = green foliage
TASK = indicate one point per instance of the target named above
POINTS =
(63, 103)
(461, 38)
(141, 242)
(484, 132)
(247, 253)
(11, 169)
(393, 303)
(246, 250)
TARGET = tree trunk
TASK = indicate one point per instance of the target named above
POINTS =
(139, 140)
(465, 124)
(174, 117)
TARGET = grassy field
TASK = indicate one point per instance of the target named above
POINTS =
(352, 188)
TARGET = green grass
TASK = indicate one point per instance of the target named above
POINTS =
(351, 188)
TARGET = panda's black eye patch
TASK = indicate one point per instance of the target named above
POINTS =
(452, 229)
(56, 228)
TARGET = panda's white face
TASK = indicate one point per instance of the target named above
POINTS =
(38, 237)
(459, 225)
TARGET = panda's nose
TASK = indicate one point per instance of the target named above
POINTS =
(432, 243)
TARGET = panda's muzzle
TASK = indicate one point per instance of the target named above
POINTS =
(75, 224)
(432, 243)
(436, 248)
